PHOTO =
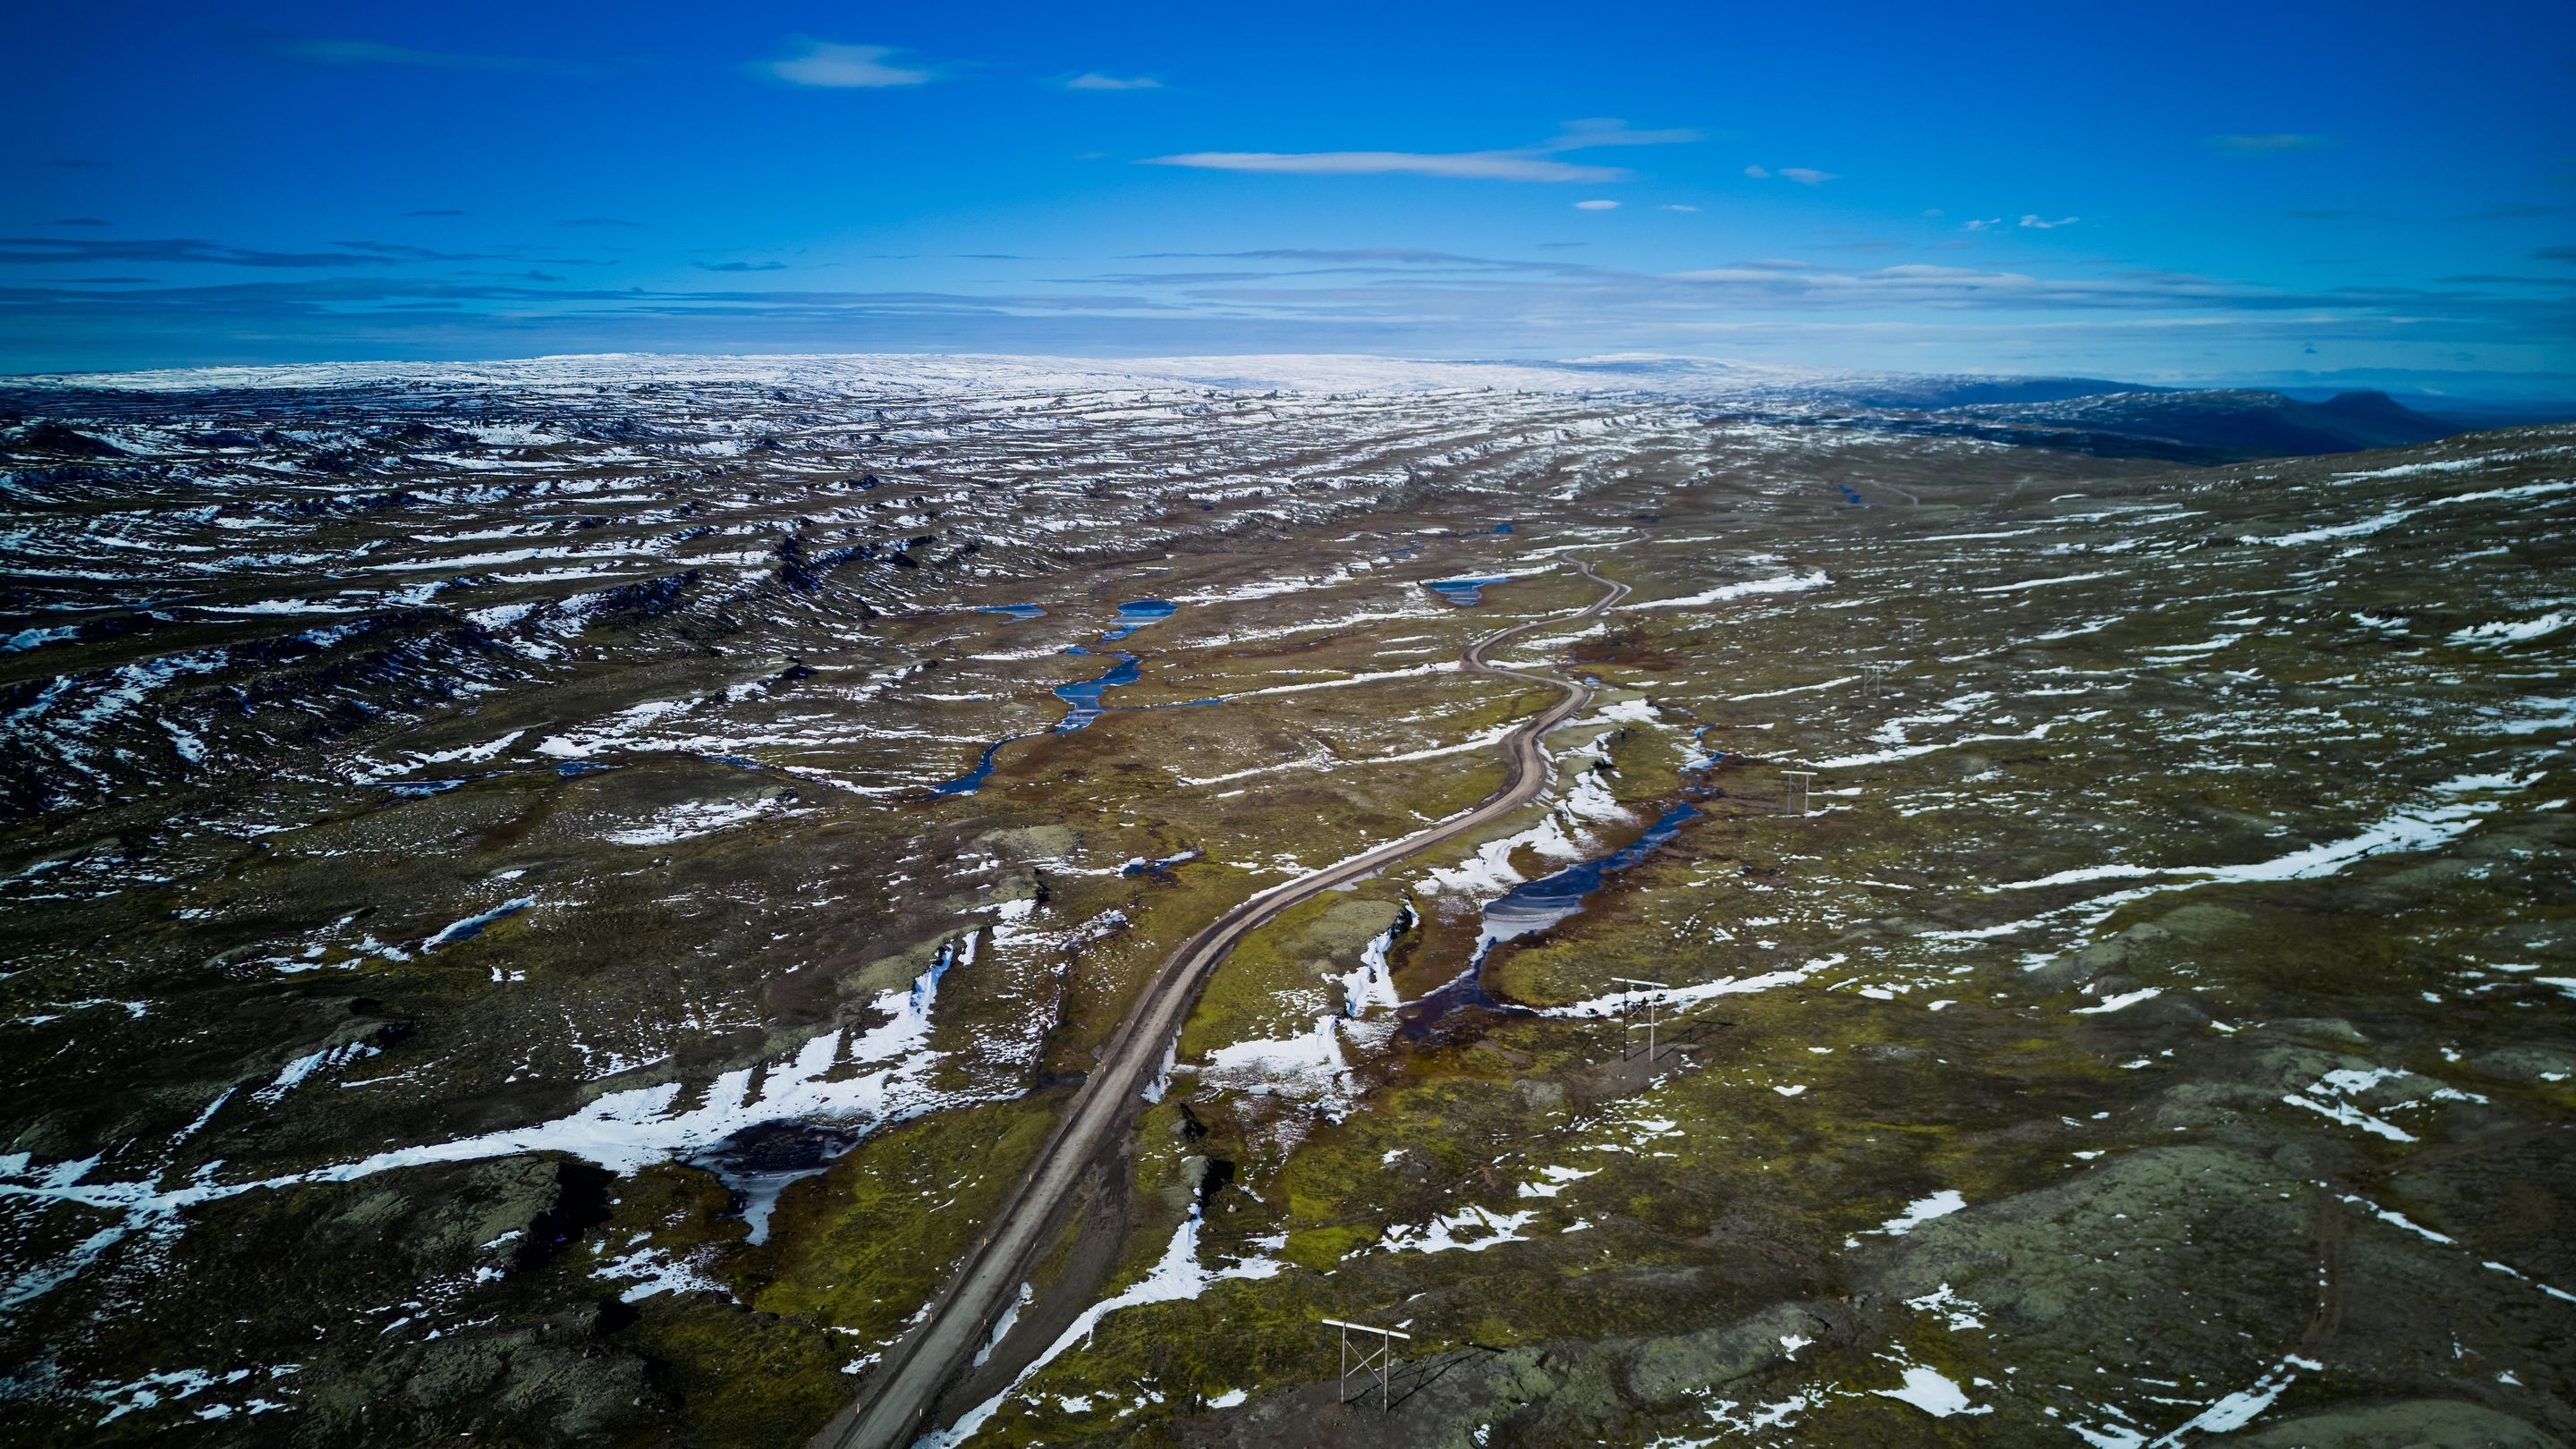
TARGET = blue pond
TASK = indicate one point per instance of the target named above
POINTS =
(1465, 593)
(423, 789)
(1083, 698)
(1016, 611)
(472, 926)
(1539, 904)
(1714, 756)
(1142, 866)
(1535, 906)
(973, 780)
(1136, 615)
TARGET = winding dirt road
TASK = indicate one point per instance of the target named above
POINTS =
(901, 1394)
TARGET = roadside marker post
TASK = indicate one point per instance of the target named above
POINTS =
(1378, 1363)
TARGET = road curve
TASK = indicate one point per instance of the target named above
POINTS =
(902, 1393)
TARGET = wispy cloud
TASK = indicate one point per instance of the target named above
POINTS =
(1462, 165)
(1373, 260)
(1407, 255)
(400, 251)
(1803, 175)
(1679, 206)
(2555, 254)
(375, 52)
(2040, 223)
(2507, 280)
(1813, 285)
(1359, 300)
(1596, 206)
(2271, 141)
(599, 221)
(834, 66)
(740, 266)
(38, 250)
(78, 221)
(1787, 283)
(1525, 163)
(1092, 80)
(1604, 131)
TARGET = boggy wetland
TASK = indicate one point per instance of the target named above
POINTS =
(563, 903)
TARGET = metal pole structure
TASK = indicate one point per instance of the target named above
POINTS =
(1805, 781)
(1626, 1025)
(1378, 1364)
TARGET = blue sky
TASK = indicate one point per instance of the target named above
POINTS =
(2360, 193)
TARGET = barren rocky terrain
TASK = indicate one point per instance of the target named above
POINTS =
(551, 901)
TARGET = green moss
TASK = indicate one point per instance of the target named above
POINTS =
(1321, 1248)
(859, 1248)
(1275, 982)
(751, 1380)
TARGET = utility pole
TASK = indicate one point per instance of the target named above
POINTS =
(1627, 1010)
(1802, 787)
(1378, 1363)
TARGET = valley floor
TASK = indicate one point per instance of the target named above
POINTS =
(488, 950)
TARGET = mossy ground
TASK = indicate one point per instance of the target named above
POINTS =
(2003, 686)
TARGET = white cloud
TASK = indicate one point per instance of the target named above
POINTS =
(1596, 206)
(844, 67)
(1757, 173)
(2042, 223)
(1808, 175)
(1469, 165)
(1092, 80)
(1678, 206)
(1813, 285)
(1526, 163)
(1983, 223)
(1581, 135)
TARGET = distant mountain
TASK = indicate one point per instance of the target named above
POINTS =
(2090, 414)
(2467, 412)
(2215, 425)
(1901, 390)
(1712, 378)
(2182, 425)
